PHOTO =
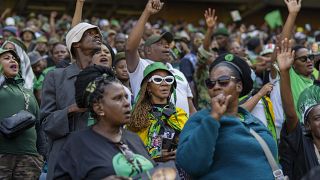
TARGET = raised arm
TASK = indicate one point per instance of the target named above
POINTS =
(53, 16)
(285, 60)
(252, 102)
(132, 56)
(293, 8)
(4, 14)
(211, 20)
(77, 13)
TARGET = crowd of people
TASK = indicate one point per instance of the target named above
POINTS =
(134, 99)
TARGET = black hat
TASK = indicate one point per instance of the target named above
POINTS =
(241, 66)
(87, 76)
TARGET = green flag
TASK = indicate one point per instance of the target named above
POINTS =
(274, 19)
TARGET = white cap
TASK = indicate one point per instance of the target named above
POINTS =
(75, 34)
(267, 49)
(10, 21)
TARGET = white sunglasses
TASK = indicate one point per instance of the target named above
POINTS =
(158, 79)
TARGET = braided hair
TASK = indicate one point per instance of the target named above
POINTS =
(90, 85)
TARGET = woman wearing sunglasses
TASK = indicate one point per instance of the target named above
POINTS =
(104, 149)
(301, 73)
(154, 118)
(216, 143)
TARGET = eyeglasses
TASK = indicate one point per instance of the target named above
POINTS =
(159, 79)
(311, 57)
(222, 81)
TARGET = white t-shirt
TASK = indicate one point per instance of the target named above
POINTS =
(258, 111)
(183, 91)
(275, 97)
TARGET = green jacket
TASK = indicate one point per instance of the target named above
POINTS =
(11, 102)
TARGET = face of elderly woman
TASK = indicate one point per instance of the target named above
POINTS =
(158, 88)
(9, 64)
(224, 83)
(114, 107)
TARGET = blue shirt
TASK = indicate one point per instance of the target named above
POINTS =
(225, 149)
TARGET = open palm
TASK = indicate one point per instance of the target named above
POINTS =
(293, 5)
(210, 17)
(285, 55)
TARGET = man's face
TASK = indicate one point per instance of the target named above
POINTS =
(90, 40)
(120, 42)
(159, 51)
(222, 41)
(39, 67)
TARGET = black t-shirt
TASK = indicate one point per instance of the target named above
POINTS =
(297, 155)
(89, 155)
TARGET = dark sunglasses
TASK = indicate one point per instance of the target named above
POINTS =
(222, 81)
(311, 57)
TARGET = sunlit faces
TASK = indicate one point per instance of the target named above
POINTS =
(102, 56)
(114, 105)
(301, 66)
(232, 86)
(9, 64)
(159, 91)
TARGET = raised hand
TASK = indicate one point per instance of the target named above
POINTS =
(266, 89)
(210, 17)
(154, 6)
(219, 105)
(53, 14)
(293, 5)
(285, 55)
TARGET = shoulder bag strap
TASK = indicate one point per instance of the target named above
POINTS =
(277, 172)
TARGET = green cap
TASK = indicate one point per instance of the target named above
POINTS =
(155, 38)
(2, 51)
(154, 67)
(42, 39)
(222, 31)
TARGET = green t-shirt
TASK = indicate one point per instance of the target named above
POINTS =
(298, 84)
(308, 97)
(11, 102)
(37, 85)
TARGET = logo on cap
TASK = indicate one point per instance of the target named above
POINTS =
(229, 57)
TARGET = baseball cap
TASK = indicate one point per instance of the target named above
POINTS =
(155, 38)
(267, 49)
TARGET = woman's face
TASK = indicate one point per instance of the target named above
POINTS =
(9, 46)
(303, 68)
(122, 70)
(59, 53)
(102, 57)
(9, 64)
(159, 92)
(114, 105)
(225, 83)
(314, 122)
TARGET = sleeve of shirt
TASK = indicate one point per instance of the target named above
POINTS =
(137, 76)
(187, 69)
(196, 132)
(289, 147)
(55, 122)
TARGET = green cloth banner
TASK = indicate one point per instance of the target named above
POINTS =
(274, 19)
